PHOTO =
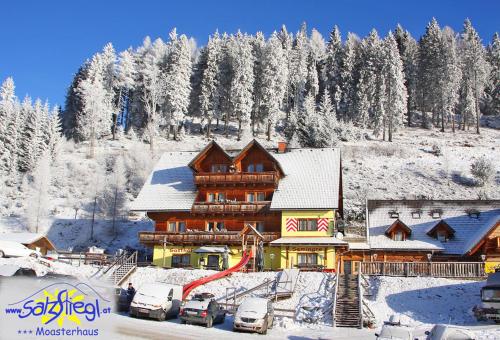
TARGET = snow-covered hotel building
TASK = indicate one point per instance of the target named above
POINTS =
(201, 201)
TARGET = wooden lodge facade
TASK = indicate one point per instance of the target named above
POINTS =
(200, 202)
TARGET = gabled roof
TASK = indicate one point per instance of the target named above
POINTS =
(398, 224)
(211, 145)
(312, 180)
(170, 186)
(253, 143)
(469, 230)
(441, 224)
(24, 238)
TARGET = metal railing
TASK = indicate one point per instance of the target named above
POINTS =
(360, 299)
(122, 270)
(431, 269)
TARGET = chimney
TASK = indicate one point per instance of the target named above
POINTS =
(282, 147)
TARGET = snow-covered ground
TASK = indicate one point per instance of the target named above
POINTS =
(420, 302)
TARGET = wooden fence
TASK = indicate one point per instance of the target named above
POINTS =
(432, 269)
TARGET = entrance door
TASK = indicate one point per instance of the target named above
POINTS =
(213, 262)
(347, 267)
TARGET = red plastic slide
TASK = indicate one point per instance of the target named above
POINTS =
(192, 285)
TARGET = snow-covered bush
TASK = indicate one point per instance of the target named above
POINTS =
(348, 132)
(483, 170)
(436, 150)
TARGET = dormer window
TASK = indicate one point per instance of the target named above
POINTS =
(415, 214)
(442, 231)
(393, 214)
(473, 213)
(436, 213)
(398, 231)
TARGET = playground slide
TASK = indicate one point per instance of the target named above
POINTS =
(192, 285)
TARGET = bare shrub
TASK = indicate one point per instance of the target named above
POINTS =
(482, 170)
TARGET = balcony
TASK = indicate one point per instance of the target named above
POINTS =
(231, 208)
(199, 237)
(240, 178)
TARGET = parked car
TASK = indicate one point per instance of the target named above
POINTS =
(15, 249)
(489, 309)
(202, 309)
(394, 330)
(254, 314)
(156, 301)
(449, 332)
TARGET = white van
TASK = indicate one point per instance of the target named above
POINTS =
(156, 301)
(254, 314)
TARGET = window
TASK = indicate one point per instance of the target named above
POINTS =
(308, 225)
(259, 226)
(215, 226)
(219, 168)
(398, 236)
(415, 214)
(181, 260)
(216, 197)
(436, 213)
(256, 196)
(307, 259)
(393, 214)
(441, 236)
(258, 167)
(175, 226)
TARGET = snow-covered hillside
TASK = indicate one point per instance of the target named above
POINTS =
(406, 168)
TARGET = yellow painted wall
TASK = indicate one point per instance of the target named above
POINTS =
(235, 255)
(330, 214)
(289, 259)
(489, 266)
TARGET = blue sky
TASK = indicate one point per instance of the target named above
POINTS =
(44, 42)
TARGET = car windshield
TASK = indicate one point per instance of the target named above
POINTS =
(492, 294)
(398, 333)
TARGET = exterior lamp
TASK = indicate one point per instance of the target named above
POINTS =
(272, 256)
(429, 257)
(374, 257)
(483, 257)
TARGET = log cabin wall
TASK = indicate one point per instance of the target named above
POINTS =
(255, 155)
(271, 221)
(214, 156)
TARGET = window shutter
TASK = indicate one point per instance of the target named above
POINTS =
(291, 224)
(323, 224)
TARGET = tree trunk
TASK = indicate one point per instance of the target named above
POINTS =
(208, 127)
(478, 114)
(114, 210)
(93, 218)
(453, 123)
(269, 130)
(390, 130)
(239, 130)
(115, 115)
(92, 146)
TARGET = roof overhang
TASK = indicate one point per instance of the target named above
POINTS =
(308, 241)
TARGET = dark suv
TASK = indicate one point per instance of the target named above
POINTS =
(202, 309)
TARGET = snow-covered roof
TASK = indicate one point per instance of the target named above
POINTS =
(312, 179)
(170, 186)
(23, 238)
(422, 215)
(308, 241)
(311, 182)
(359, 246)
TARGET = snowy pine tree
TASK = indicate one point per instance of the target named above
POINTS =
(209, 95)
(493, 86)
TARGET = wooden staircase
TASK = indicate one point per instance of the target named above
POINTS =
(347, 307)
(120, 269)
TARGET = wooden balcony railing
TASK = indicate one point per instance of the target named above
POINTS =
(230, 207)
(199, 237)
(432, 269)
(213, 178)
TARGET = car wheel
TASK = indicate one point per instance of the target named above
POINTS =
(162, 316)
(210, 322)
(2, 254)
(183, 322)
(272, 324)
(264, 329)
(34, 255)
